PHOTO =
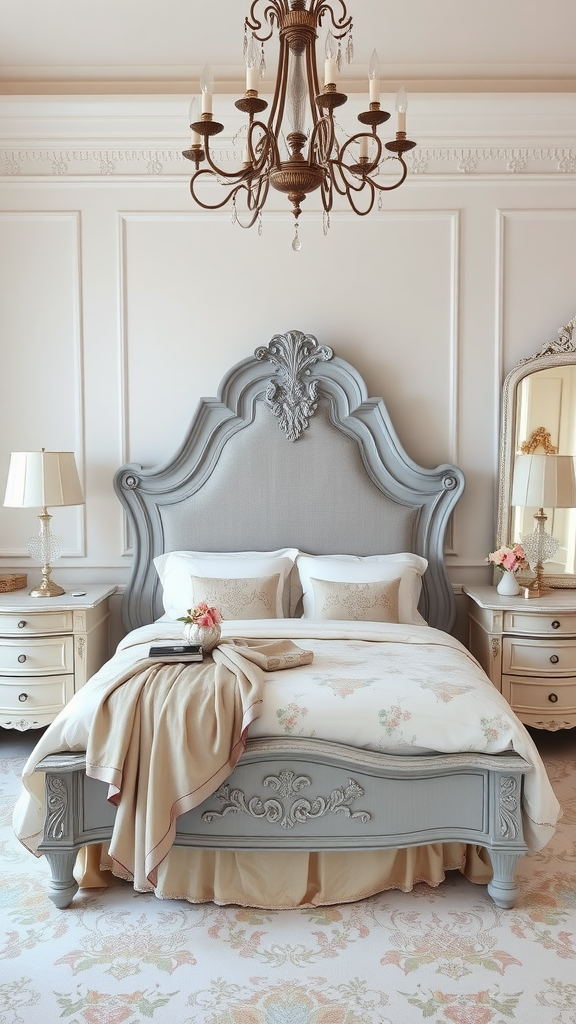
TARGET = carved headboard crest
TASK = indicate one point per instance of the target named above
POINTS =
(293, 397)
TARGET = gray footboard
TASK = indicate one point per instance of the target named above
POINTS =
(308, 795)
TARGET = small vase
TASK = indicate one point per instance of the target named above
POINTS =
(508, 585)
(207, 636)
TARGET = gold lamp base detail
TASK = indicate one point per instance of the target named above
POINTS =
(47, 588)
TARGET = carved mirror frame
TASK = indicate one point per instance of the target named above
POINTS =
(561, 351)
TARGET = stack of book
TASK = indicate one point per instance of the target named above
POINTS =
(176, 652)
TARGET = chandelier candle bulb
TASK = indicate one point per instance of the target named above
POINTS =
(363, 147)
(401, 107)
(331, 62)
(374, 78)
(252, 76)
(330, 71)
(207, 88)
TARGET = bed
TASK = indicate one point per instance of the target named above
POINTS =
(330, 797)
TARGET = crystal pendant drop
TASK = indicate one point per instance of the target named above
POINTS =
(234, 213)
(350, 50)
(339, 59)
(262, 64)
(245, 45)
(296, 243)
(380, 203)
(326, 222)
(260, 223)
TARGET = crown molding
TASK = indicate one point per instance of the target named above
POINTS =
(104, 137)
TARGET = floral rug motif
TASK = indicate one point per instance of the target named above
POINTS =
(432, 956)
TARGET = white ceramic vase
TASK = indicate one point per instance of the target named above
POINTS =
(508, 585)
(208, 636)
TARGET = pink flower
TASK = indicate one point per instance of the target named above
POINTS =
(202, 615)
(509, 559)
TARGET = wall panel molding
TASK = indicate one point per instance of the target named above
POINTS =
(78, 441)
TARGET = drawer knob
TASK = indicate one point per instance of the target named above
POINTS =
(553, 658)
(555, 624)
(21, 658)
(553, 698)
(22, 623)
(22, 697)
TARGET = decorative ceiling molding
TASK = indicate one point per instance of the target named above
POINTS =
(151, 162)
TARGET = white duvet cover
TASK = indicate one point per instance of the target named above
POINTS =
(390, 688)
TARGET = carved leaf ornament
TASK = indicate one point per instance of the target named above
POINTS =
(301, 810)
(293, 397)
(508, 808)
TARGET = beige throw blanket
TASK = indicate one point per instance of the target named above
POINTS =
(165, 736)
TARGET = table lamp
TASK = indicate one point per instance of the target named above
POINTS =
(542, 481)
(36, 480)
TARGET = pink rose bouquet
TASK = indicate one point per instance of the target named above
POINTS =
(202, 615)
(509, 559)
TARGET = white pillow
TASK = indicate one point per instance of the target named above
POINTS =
(370, 569)
(176, 569)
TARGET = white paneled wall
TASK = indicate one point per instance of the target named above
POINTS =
(121, 304)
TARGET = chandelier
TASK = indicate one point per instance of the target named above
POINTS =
(297, 151)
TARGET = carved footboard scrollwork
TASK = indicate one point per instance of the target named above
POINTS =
(288, 784)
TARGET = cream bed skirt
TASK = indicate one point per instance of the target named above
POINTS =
(280, 881)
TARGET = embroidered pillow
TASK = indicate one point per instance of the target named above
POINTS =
(362, 602)
(253, 597)
(176, 567)
(408, 567)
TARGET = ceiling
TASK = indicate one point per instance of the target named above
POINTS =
(138, 46)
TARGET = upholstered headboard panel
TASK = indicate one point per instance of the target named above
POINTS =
(292, 453)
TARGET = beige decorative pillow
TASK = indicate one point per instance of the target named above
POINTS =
(363, 602)
(252, 597)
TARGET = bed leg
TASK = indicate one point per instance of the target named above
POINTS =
(503, 888)
(63, 886)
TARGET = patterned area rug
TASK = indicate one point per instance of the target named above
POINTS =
(444, 956)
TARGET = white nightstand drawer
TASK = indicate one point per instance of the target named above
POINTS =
(36, 696)
(20, 624)
(46, 656)
(532, 657)
(540, 695)
(541, 623)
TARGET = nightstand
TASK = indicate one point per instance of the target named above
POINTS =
(49, 647)
(528, 649)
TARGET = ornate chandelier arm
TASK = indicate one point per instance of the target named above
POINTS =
(214, 206)
(345, 188)
(279, 99)
(256, 188)
(342, 24)
(253, 205)
(313, 86)
(265, 151)
(327, 191)
(402, 178)
(271, 14)
(322, 140)
(354, 176)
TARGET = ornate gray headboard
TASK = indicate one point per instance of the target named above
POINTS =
(291, 453)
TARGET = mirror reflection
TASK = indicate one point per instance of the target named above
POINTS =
(545, 423)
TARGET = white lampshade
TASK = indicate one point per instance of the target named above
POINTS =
(42, 479)
(544, 481)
